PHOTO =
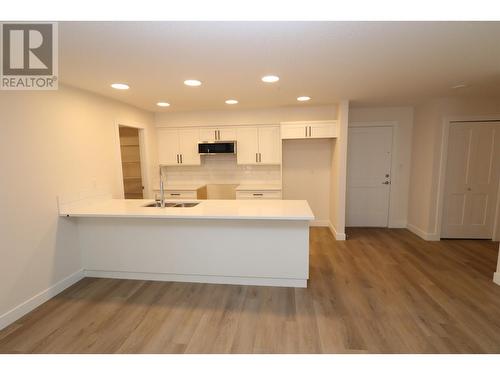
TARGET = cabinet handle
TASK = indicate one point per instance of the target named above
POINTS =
(181, 158)
(218, 134)
(258, 194)
(174, 194)
(177, 158)
(260, 157)
(215, 134)
(306, 130)
(256, 157)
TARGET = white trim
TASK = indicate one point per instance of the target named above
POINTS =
(32, 303)
(423, 234)
(209, 279)
(496, 278)
(442, 167)
(319, 223)
(337, 236)
(143, 149)
(398, 224)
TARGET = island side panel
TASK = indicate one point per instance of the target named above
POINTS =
(254, 252)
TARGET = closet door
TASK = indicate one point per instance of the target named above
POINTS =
(472, 175)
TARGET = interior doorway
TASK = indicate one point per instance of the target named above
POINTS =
(471, 180)
(130, 151)
(369, 159)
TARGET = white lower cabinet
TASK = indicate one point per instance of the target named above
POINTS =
(258, 194)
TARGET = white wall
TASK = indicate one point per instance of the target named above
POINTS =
(51, 143)
(401, 119)
(306, 174)
(338, 178)
(426, 155)
(232, 116)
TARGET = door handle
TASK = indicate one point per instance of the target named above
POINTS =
(386, 182)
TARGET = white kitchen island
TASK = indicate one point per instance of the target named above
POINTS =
(263, 242)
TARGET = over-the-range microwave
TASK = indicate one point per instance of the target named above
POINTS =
(217, 147)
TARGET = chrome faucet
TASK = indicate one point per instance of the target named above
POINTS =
(162, 191)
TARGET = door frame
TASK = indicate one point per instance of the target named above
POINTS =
(143, 150)
(443, 161)
(391, 222)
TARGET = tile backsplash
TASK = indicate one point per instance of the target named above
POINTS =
(222, 169)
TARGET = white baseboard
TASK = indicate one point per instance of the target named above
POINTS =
(496, 278)
(398, 224)
(338, 236)
(19, 311)
(422, 234)
(259, 281)
(319, 223)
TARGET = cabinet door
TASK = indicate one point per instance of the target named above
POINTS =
(269, 145)
(327, 130)
(188, 146)
(247, 145)
(168, 146)
(298, 131)
(227, 134)
(208, 134)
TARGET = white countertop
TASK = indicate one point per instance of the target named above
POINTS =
(263, 187)
(189, 187)
(207, 209)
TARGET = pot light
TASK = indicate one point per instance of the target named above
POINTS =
(231, 101)
(303, 98)
(163, 104)
(270, 79)
(192, 82)
(120, 86)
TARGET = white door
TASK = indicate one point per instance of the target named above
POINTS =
(168, 146)
(471, 186)
(297, 131)
(269, 145)
(247, 145)
(188, 146)
(208, 134)
(328, 130)
(227, 134)
(369, 152)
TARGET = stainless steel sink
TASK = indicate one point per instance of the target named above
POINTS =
(173, 204)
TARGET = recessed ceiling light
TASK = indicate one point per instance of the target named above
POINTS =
(163, 104)
(303, 98)
(270, 79)
(192, 82)
(120, 86)
(459, 86)
(231, 101)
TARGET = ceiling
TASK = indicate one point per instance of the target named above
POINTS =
(370, 63)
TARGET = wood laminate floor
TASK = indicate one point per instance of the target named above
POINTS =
(382, 291)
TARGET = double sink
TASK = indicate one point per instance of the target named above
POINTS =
(173, 204)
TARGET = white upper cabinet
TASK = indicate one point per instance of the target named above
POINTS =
(310, 129)
(217, 134)
(178, 146)
(168, 146)
(258, 145)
